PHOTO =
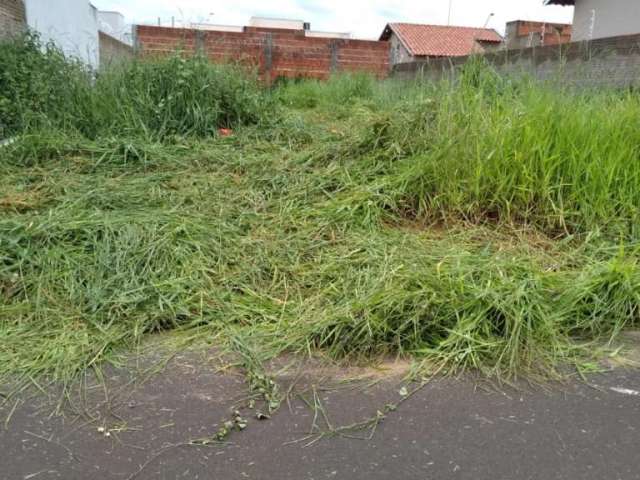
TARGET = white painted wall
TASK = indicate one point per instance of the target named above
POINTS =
(217, 28)
(605, 18)
(276, 23)
(114, 25)
(70, 24)
(317, 34)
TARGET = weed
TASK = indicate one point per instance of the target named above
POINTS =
(178, 95)
(485, 224)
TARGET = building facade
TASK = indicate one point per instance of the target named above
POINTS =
(595, 19)
(114, 25)
(12, 17)
(72, 25)
(525, 34)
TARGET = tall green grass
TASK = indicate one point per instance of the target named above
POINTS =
(38, 85)
(485, 223)
(488, 149)
(156, 99)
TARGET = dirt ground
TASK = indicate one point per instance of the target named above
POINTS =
(452, 428)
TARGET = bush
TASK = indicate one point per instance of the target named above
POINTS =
(180, 96)
(156, 98)
(38, 85)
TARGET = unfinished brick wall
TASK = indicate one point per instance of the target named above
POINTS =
(12, 17)
(275, 53)
(606, 62)
(525, 34)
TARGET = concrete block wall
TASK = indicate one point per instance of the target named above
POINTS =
(607, 62)
(274, 52)
(113, 51)
(12, 18)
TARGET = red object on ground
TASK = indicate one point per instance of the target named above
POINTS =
(225, 132)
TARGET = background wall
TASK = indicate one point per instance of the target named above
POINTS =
(605, 62)
(12, 17)
(113, 51)
(72, 24)
(114, 25)
(276, 53)
(399, 53)
(612, 17)
(525, 34)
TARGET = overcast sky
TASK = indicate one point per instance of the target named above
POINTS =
(363, 18)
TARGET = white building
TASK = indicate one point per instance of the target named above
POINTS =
(603, 18)
(216, 28)
(74, 26)
(114, 25)
(283, 23)
(71, 24)
(287, 24)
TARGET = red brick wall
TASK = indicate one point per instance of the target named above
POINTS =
(551, 33)
(276, 53)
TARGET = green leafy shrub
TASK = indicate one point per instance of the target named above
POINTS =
(157, 98)
(38, 85)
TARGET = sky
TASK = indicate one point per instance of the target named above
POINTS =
(362, 18)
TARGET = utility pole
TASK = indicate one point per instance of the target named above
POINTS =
(488, 20)
(592, 24)
(449, 18)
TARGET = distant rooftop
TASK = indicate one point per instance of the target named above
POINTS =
(439, 40)
(273, 23)
(284, 23)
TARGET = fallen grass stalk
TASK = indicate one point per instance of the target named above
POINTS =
(486, 224)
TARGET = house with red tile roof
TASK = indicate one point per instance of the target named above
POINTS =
(411, 42)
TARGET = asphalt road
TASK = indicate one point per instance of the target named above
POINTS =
(451, 429)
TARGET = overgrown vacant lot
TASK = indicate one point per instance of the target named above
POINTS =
(487, 223)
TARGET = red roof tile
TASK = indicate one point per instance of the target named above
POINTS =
(440, 41)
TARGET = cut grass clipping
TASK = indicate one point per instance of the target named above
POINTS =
(486, 223)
